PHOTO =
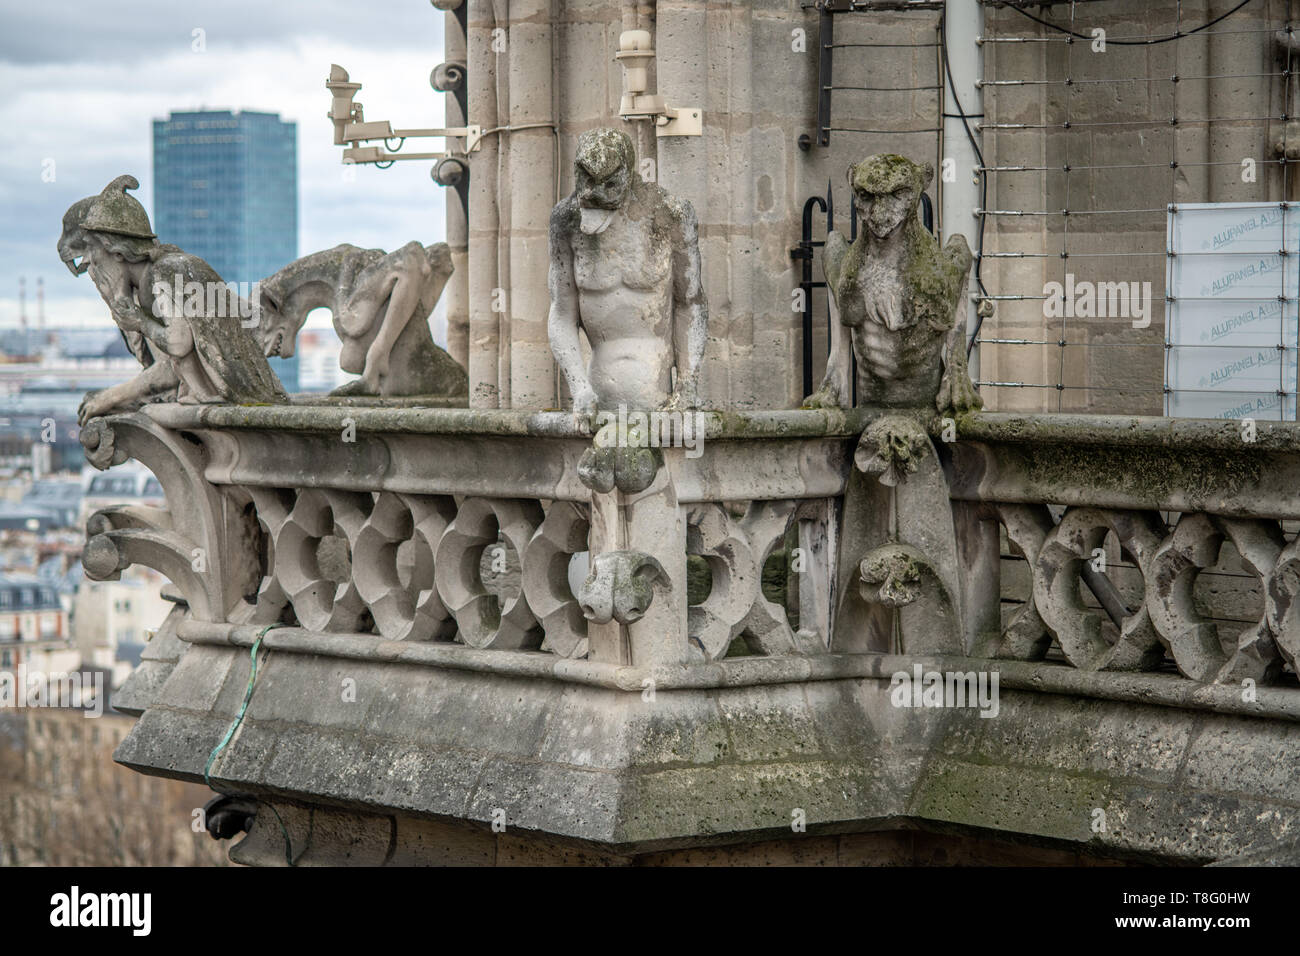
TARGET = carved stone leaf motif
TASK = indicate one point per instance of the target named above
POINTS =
(100, 442)
(900, 576)
(891, 448)
(621, 586)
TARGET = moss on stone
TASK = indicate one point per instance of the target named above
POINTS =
(1155, 474)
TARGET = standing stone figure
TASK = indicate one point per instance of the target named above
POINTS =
(178, 317)
(903, 298)
(380, 302)
(625, 266)
(900, 294)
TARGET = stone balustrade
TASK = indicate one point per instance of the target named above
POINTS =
(384, 523)
(689, 641)
(1172, 493)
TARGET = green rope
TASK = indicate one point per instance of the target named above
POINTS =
(230, 734)
(243, 708)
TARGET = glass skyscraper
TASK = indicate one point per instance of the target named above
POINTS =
(226, 189)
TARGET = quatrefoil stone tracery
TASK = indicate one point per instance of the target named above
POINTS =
(320, 602)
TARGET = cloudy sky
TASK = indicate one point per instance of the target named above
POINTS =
(83, 80)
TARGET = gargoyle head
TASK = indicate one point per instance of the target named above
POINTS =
(112, 225)
(72, 243)
(604, 172)
(277, 329)
(439, 258)
(887, 190)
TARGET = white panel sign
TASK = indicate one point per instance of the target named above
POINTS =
(1233, 326)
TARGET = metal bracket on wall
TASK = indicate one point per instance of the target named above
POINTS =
(351, 128)
(635, 53)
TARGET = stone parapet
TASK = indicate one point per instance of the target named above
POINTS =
(696, 647)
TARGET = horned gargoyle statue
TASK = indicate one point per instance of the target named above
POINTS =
(903, 299)
(380, 302)
(900, 294)
(183, 323)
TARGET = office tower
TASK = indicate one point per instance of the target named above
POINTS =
(226, 189)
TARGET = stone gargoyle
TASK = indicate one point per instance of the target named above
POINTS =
(901, 295)
(625, 268)
(903, 299)
(180, 320)
(380, 303)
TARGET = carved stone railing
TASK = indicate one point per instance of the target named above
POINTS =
(371, 524)
(1172, 492)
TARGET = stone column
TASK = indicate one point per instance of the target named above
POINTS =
(695, 41)
(531, 144)
(643, 524)
(456, 293)
(963, 22)
(484, 215)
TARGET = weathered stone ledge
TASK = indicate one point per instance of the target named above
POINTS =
(418, 419)
(1143, 431)
(307, 400)
(1163, 690)
(312, 413)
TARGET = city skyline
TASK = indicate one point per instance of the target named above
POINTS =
(88, 106)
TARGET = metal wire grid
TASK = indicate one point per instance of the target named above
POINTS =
(1057, 222)
(830, 12)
